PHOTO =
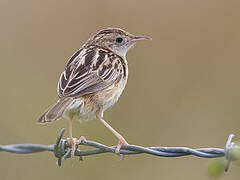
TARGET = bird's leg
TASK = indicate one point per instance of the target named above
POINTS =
(121, 141)
(74, 141)
(70, 129)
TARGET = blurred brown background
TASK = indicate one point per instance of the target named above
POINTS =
(183, 88)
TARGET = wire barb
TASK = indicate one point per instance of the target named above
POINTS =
(229, 145)
(62, 149)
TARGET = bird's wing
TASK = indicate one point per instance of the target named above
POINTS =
(89, 71)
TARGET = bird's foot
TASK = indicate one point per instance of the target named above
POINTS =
(121, 142)
(74, 142)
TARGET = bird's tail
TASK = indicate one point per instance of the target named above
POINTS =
(56, 111)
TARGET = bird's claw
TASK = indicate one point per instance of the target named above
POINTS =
(118, 148)
(74, 144)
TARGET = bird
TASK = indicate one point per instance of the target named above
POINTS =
(93, 80)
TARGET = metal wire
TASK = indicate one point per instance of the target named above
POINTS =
(62, 149)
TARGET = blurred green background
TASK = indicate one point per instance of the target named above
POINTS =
(183, 87)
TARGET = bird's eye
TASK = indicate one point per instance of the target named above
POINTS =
(119, 40)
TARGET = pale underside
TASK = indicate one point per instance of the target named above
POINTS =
(84, 108)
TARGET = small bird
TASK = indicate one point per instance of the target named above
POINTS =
(93, 80)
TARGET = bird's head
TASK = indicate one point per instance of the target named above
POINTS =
(116, 40)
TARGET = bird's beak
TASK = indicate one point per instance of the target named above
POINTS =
(140, 38)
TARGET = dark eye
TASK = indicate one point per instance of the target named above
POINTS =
(119, 40)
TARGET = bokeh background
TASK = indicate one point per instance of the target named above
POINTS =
(183, 88)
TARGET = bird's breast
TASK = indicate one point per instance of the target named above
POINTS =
(106, 97)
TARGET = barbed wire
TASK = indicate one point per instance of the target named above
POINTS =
(62, 149)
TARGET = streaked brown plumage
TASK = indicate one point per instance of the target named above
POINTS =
(93, 80)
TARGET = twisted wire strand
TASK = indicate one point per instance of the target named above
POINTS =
(62, 149)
